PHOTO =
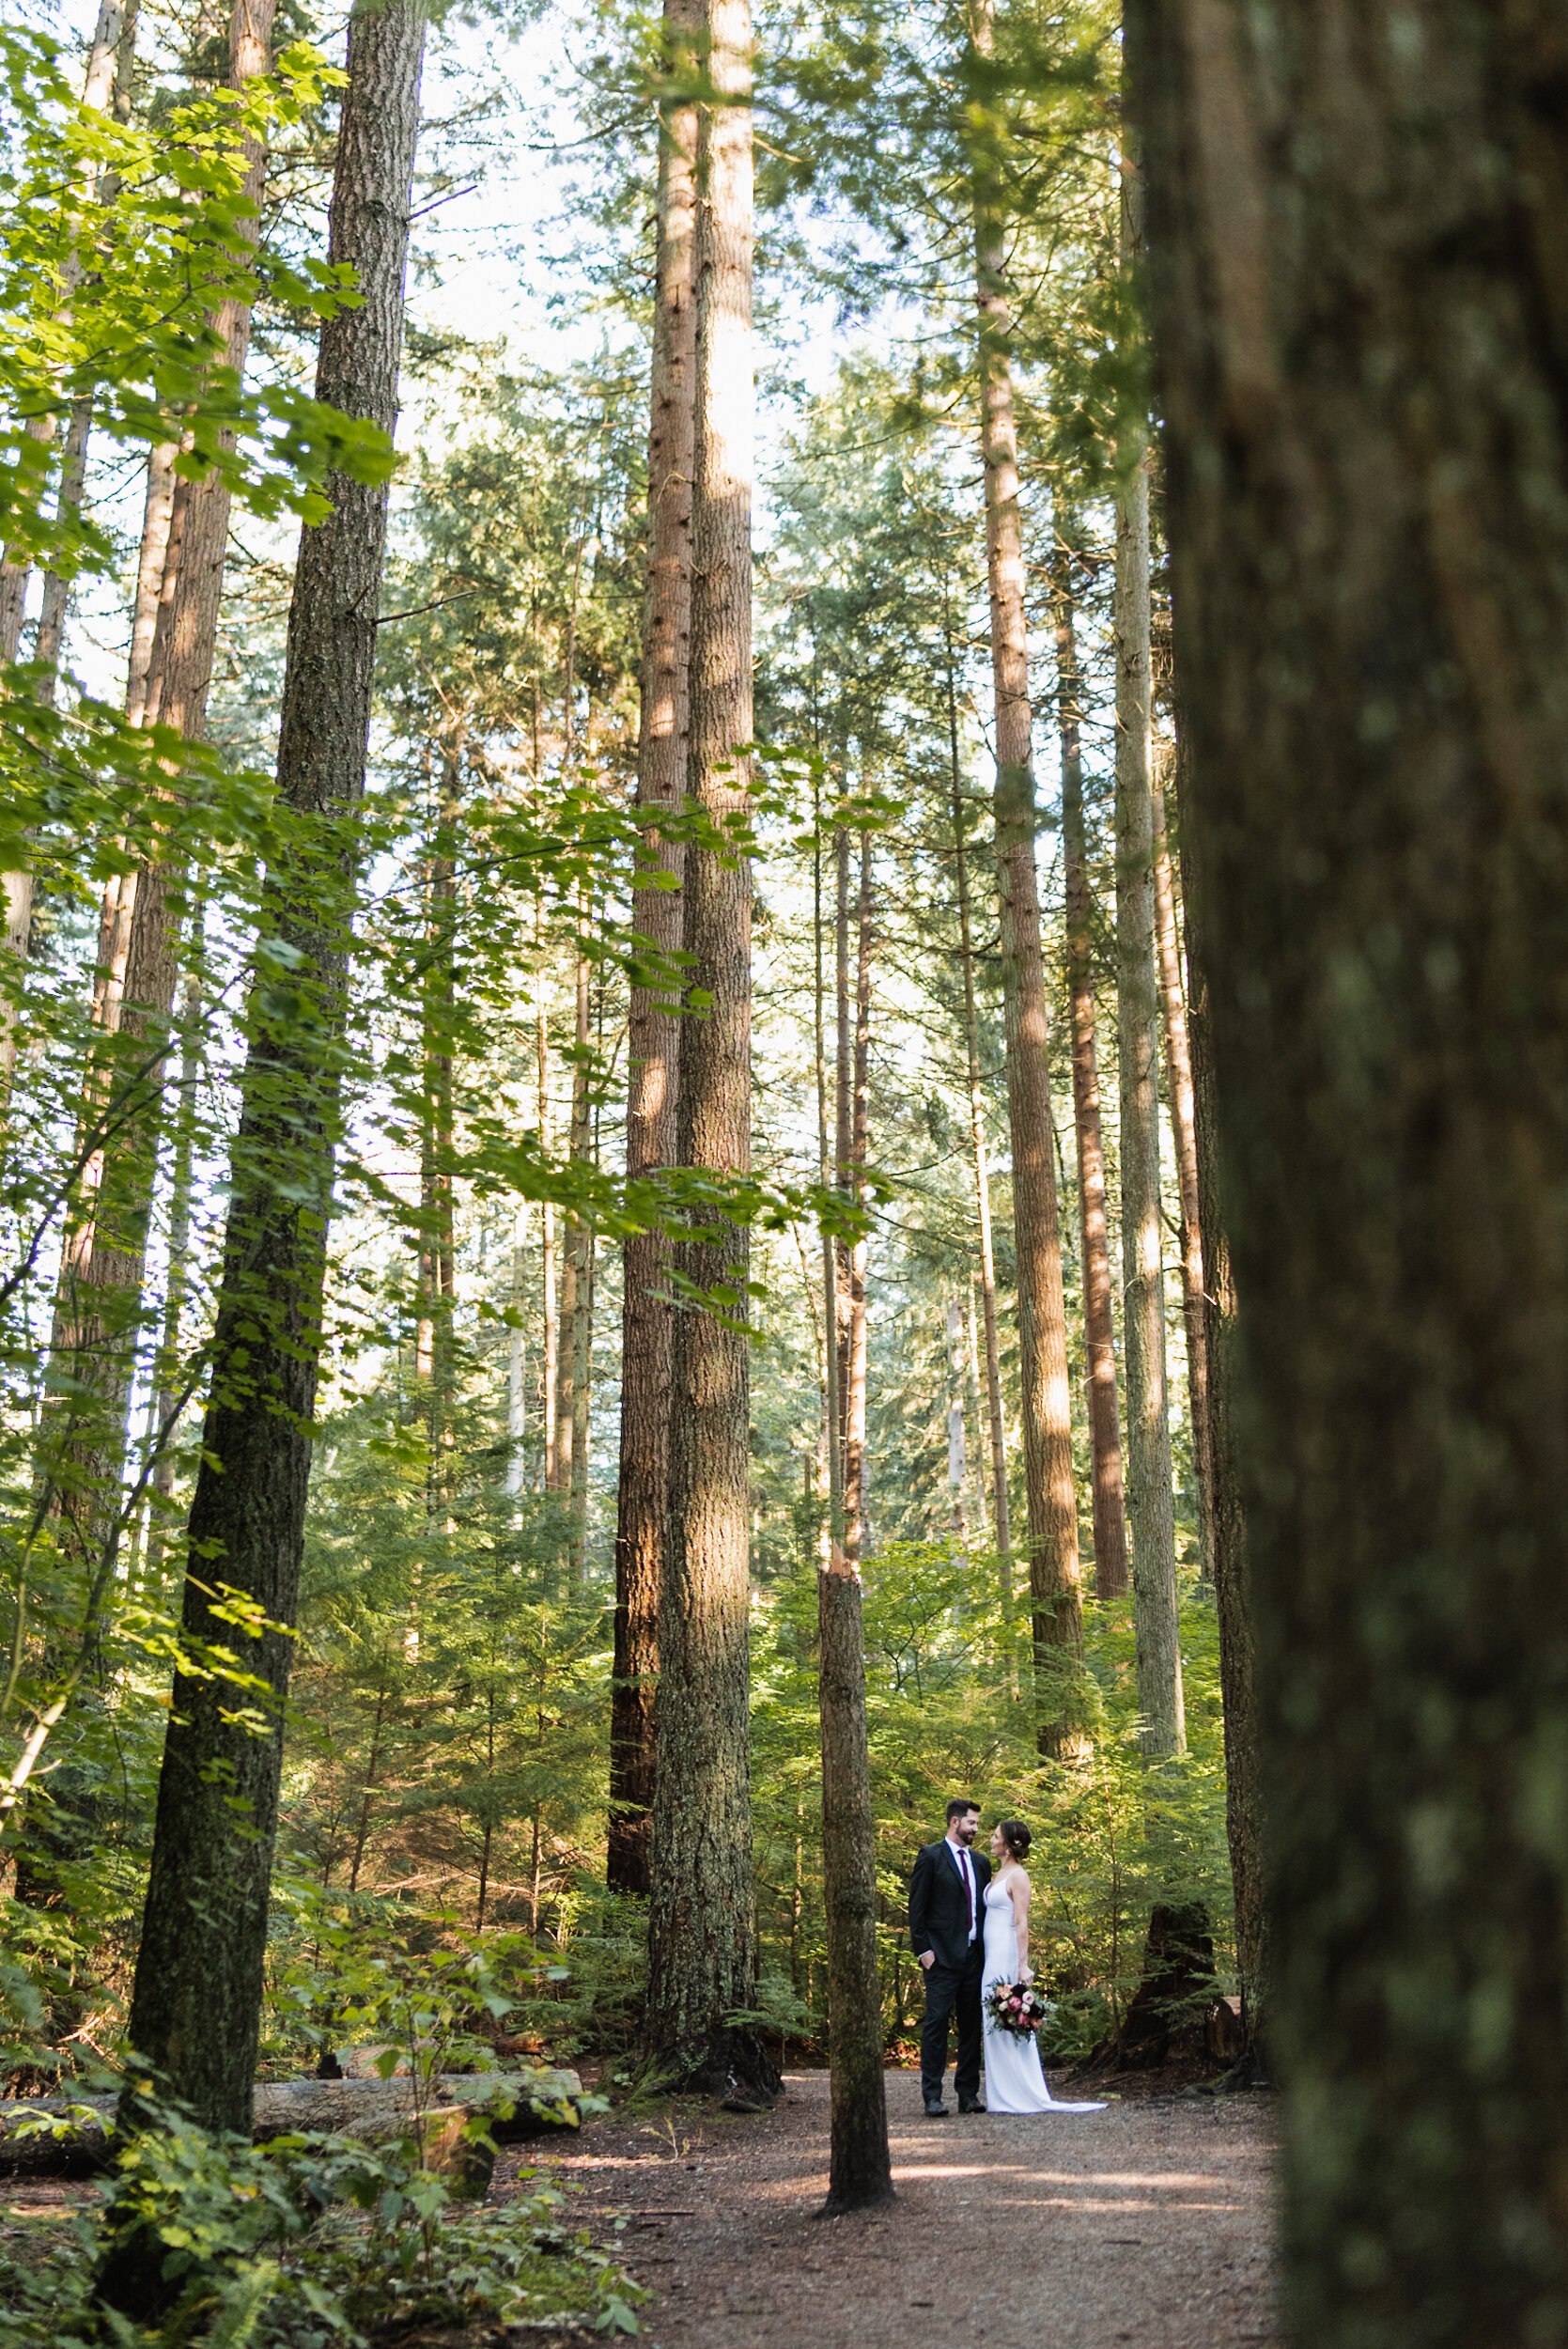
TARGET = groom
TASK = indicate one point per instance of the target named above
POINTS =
(947, 1933)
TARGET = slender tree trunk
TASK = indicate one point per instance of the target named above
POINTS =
(701, 1929)
(110, 59)
(571, 1378)
(1163, 1724)
(1178, 1063)
(999, 1517)
(654, 1030)
(550, 1367)
(1053, 1559)
(844, 1090)
(195, 2007)
(855, 1350)
(517, 1363)
(1353, 225)
(99, 1300)
(1104, 1430)
(1244, 1819)
(157, 512)
(165, 1413)
(827, 1128)
(859, 2164)
(958, 1464)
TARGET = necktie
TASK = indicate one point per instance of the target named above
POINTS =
(968, 1874)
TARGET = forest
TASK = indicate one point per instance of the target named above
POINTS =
(781, 1033)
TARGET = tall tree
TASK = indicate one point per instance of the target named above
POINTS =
(1184, 1134)
(654, 1014)
(1053, 1559)
(195, 2007)
(860, 2163)
(1150, 1503)
(1000, 1524)
(1363, 346)
(98, 1314)
(702, 1926)
(1099, 1336)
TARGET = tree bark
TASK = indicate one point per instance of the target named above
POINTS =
(1163, 1726)
(1099, 1336)
(1053, 1559)
(1244, 1819)
(572, 1376)
(702, 1928)
(654, 1017)
(1178, 1065)
(195, 2007)
(855, 1463)
(550, 1361)
(1355, 220)
(999, 1514)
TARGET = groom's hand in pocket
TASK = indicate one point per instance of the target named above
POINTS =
(928, 1958)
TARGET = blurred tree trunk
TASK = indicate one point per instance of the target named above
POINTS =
(1178, 1065)
(654, 1030)
(1099, 1335)
(1355, 220)
(1150, 1507)
(1244, 1821)
(1053, 1559)
(196, 2003)
(702, 1925)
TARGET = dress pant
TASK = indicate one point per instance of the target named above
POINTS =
(948, 1987)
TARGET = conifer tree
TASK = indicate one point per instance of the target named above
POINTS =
(195, 2007)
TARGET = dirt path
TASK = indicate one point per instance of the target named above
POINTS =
(1147, 2223)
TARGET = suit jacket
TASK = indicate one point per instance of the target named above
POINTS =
(939, 1905)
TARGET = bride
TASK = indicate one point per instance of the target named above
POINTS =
(1014, 2080)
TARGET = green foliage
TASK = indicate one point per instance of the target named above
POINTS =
(307, 2241)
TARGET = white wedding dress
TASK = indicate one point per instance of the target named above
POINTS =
(1014, 2079)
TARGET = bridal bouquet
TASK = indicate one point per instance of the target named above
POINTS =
(1016, 2007)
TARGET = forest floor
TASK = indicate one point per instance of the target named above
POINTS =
(1148, 2223)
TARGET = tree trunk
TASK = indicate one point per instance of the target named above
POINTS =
(1178, 1065)
(572, 1376)
(702, 1931)
(164, 1416)
(1099, 1336)
(860, 2172)
(1163, 1725)
(551, 1364)
(653, 1018)
(855, 1464)
(999, 1514)
(99, 1305)
(517, 1367)
(1355, 222)
(1244, 1821)
(860, 2165)
(1053, 1561)
(196, 2008)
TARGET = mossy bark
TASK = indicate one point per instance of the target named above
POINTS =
(1356, 219)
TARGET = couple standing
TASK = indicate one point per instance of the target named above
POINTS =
(969, 1931)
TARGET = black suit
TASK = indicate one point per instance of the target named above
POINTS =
(940, 1921)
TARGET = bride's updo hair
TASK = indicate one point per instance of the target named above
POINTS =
(1017, 1836)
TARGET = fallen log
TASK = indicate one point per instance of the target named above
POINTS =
(76, 2141)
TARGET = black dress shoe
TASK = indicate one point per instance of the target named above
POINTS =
(971, 2104)
(934, 2109)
